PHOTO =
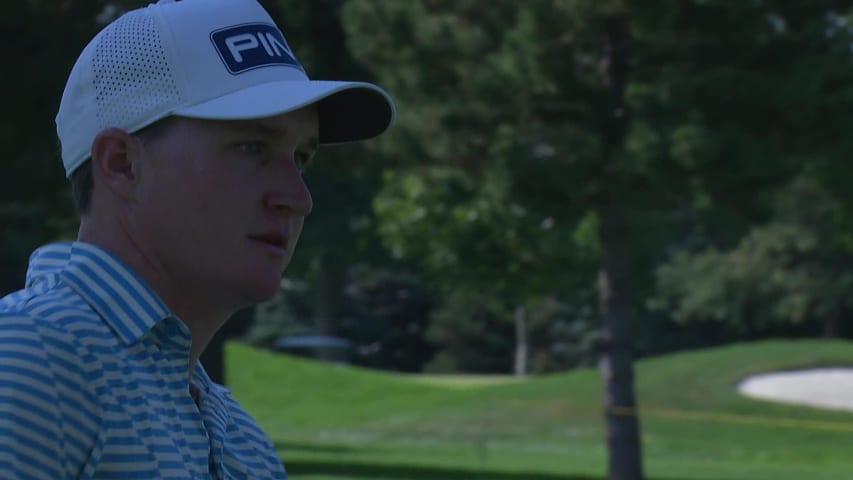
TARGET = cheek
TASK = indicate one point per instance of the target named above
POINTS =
(219, 217)
(180, 209)
(207, 215)
(296, 227)
(198, 202)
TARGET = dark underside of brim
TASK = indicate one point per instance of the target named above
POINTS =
(352, 115)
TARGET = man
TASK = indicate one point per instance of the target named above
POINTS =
(184, 127)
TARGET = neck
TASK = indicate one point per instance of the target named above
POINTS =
(197, 310)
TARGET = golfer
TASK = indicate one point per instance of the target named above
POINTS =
(184, 129)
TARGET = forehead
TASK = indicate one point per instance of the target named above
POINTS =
(302, 122)
(300, 125)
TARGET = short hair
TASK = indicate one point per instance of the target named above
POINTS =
(81, 187)
(82, 180)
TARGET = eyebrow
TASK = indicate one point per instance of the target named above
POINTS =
(256, 126)
(313, 144)
(273, 131)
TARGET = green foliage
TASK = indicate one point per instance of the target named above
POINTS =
(564, 335)
(476, 333)
(792, 270)
(465, 229)
(484, 253)
(384, 313)
(35, 203)
(35, 200)
(388, 315)
(285, 314)
(511, 125)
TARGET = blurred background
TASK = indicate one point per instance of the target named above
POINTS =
(571, 186)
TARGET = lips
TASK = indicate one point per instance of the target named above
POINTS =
(273, 241)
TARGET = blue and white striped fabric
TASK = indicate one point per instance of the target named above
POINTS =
(94, 382)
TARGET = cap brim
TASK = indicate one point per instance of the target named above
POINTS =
(348, 111)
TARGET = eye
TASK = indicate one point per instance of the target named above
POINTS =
(251, 148)
(303, 160)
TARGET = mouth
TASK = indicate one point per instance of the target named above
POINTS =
(273, 242)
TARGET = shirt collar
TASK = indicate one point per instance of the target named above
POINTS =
(213, 395)
(108, 285)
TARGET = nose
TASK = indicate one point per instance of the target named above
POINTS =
(289, 190)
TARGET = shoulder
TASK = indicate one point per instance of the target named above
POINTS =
(53, 312)
(49, 414)
(42, 353)
(28, 337)
(43, 327)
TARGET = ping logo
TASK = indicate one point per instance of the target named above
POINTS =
(252, 45)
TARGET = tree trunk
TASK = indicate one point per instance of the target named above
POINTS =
(615, 299)
(330, 280)
(616, 363)
(520, 341)
(329, 285)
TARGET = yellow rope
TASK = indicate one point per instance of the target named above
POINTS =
(730, 418)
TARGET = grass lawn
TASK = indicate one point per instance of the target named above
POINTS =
(342, 423)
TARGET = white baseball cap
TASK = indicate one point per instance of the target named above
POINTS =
(212, 59)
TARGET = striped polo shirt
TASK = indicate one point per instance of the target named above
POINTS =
(94, 382)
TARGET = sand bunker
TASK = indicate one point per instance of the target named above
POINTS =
(819, 387)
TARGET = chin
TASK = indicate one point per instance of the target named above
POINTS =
(260, 288)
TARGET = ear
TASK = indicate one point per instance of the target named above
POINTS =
(114, 154)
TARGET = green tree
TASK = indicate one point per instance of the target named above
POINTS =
(35, 205)
(479, 246)
(627, 110)
(389, 313)
(790, 274)
(485, 81)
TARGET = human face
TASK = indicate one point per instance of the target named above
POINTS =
(221, 204)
